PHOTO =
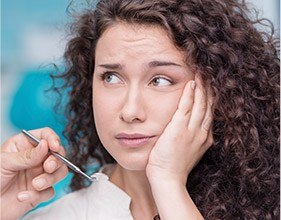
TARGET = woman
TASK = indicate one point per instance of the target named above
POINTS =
(182, 99)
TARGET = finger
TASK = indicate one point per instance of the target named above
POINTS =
(27, 159)
(47, 180)
(49, 135)
(61, 151)
(182, 115)
(17, 143)
(35, 197)
(199, 107)
(187, 98)
(208, 119)
(51, 164)
(53, 142)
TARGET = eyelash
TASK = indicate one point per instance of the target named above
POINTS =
(162, 77)
(106, 73)
(110, 73)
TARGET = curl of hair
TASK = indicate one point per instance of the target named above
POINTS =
(238, 177)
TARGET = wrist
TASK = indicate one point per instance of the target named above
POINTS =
(160, 187)
(159, 176)
(180, 205)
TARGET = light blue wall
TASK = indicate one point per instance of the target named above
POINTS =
(269, 9)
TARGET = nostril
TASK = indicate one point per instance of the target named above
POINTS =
(130, 118)
(133, 109)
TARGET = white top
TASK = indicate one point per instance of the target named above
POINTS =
(102, 200)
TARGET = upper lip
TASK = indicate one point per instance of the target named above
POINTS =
(132, 136)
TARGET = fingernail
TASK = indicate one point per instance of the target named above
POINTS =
(23, 196)
(53, 164)
(193, 84)
(40, 183)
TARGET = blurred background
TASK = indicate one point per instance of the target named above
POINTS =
(33, 36)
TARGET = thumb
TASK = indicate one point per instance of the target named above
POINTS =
(27, 159)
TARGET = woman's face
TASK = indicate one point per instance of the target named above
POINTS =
(138, 80)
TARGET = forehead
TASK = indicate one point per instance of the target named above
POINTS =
(122, 39)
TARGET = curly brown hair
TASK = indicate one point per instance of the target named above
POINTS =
(238, 177)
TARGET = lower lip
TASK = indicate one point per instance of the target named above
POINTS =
(134, 143)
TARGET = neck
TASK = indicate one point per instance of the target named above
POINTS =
(136, 185)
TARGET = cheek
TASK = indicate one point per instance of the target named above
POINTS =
(163, 106)
(104, 109)
(104, 115)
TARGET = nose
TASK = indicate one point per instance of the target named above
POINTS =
(133, 109)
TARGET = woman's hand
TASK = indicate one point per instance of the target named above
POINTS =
(29, 171)
(185, 139)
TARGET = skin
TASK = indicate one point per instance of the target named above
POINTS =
(130, 102)
(154, 93)
(28, 172)
(136, 97)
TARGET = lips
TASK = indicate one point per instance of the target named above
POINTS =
(133, 140)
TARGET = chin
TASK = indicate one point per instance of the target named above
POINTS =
(133, 162)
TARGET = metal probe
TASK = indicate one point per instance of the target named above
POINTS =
(63, 159)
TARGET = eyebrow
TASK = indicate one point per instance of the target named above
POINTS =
(157, 63)
(111, 66)
(152, 64)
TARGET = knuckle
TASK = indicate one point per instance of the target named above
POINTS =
(188, 112)
(50, 133)
(27, 155)
(47, 130)
(207, 124)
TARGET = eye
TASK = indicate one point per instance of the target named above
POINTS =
(161, 81)
(110, 78)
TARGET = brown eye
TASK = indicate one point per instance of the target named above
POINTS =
(161, 81)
